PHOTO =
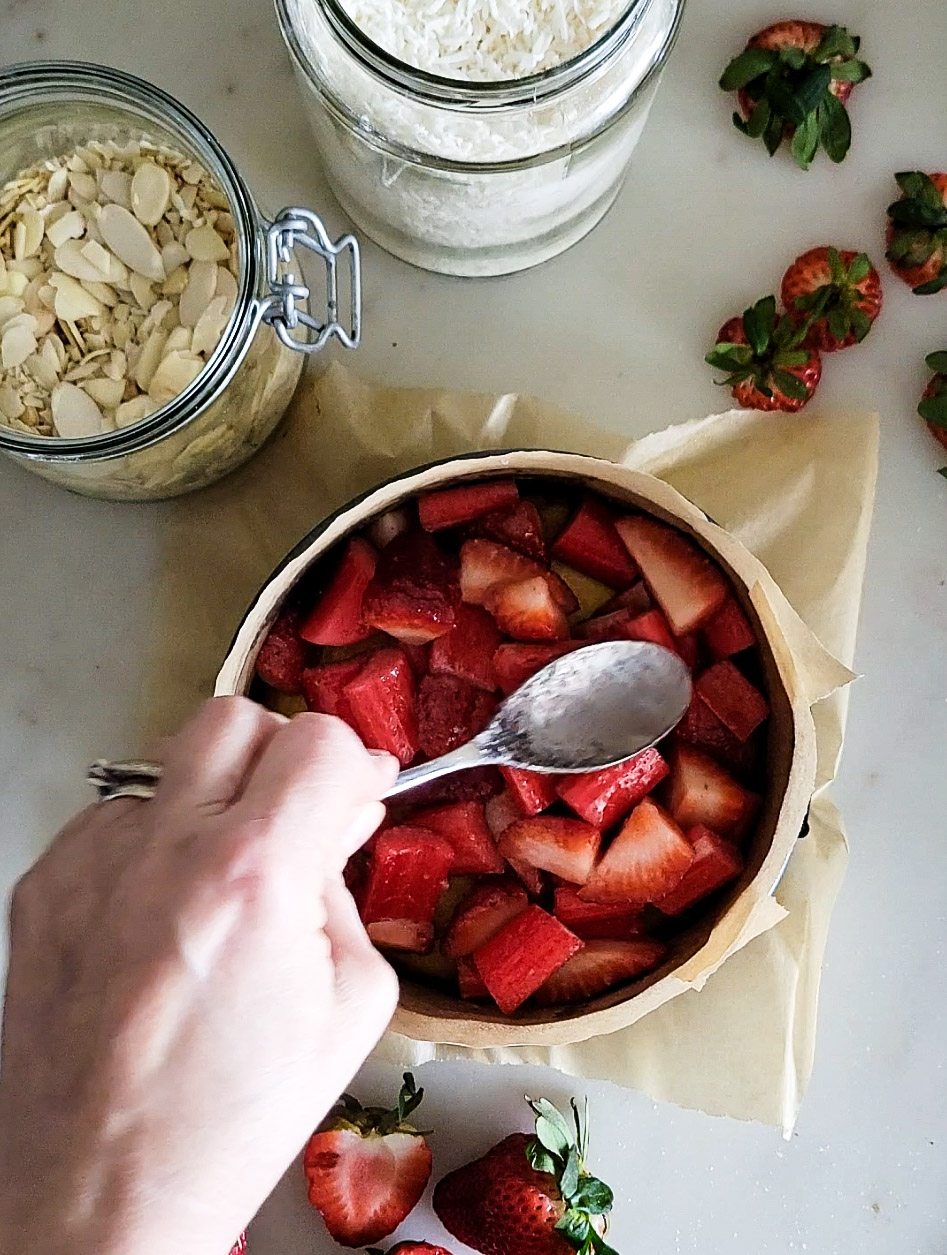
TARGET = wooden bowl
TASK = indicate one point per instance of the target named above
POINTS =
(427, 1014)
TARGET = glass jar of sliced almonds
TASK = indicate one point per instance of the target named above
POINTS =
(153, 324)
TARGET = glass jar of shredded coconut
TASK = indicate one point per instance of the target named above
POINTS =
(478, 137)
(153, 324)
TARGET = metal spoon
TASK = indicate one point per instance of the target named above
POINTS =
(589, 709)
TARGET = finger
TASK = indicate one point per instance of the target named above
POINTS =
(205, 765)
(366, 987)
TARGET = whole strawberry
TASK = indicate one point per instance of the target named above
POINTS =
(769, 365)
(412, 1248)
(792, 81)
(917, 231)
(839, 292)
(368, 1169)
(529, 1195)
(933, 406)
(240, 1246)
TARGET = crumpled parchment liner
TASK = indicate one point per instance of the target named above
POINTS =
(797, 491)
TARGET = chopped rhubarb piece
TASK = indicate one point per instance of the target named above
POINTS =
(283, 655)
(590, 920)
(467, 649)
(469, 981)
(481, 915)
(323, 687)
(567, 848)
(533, 791)
(637, 599)
(407, 873)
(686, 584)
(651, 626)
(590, 594)
(530, 877)
(337, 617)
(501, 811)
(419, 657)
(523, 955)
(716, 863)
(516, 663)
(729, 631)
(527, 610)
(732, 698)
(605, 627)
(701, 792)
(603, 797)
(450, 713)
(463, 825)
(701, 727)
(485, 564)
(520, 528)
(382, 699)
(590, 543)
(452, 506)
(387, 526)
(598, 967)
(415, 593)
(401, 934)
(644, 862)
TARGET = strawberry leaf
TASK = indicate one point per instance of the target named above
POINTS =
(729, 356)
(943, 471)
(860, 268)
(861, 324)
(409, 1099)
(937, 362)
(744, 68)
(569, 1180)
(790, 386)
(540, 1159)
(773, 135)
(850, 72)
(594, 1196)
(758, 120)
(759, 322)
(836, 42)
(835, 129)
(551, 1129)
(916, 185)
(914, 213)
(839, 322)
(934, 410)
(932, 286)
(805, 141)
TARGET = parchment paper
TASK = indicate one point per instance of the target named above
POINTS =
(797, 491)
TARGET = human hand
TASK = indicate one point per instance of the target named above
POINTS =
(189, 990)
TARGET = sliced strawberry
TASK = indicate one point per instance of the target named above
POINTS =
(651, 626)
(452, 506)
(516, 663)
(645, 861)
(716, 863)
(520, 528)
(450, 713)
(701, 792)
(469, 981)
(467, 650)
(598, 967)
(283, 655)
(415, 594)
(522, 955)
(637, 599)
(594, 920)
(701, 727)
(530, 877)
(729, 631)
(590, 543)
(485, 564)
(603, 797)
(567, 848)
(501, 811)
(401, 934)
(527, 610)
(382, 698)
(533, 791)
(732, 698)
(687, 585)
(463, 825)
(323, 688)
(407, 873)
(488, 908)
(337, 617)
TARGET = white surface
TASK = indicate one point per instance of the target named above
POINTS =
(615, 329)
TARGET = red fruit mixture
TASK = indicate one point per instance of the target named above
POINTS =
(517, 886)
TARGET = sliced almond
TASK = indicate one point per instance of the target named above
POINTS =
(116, 186)
(226, 287)
(16, 344)
(209, 326)
(134, 411)
(58, 184)
(107, 262)
(174, 255)
(175, 373)
(150, 359)
(143, 291)
(130, 242)
(73, 259)
(28, 233)
(70, 226)
(204, 244)
(199, 292)
(73, 301)
(150, 193)
(46, 375)
(14, 283)
(75, 414)
(10, 306)
(10, 404)
(178, 339)
(83, 185)
(102, 292)
(106, 393)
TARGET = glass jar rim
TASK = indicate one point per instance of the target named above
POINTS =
(31, 82)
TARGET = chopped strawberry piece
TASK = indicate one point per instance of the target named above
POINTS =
(590, 920)
(382, 699)
(415, 594)
(520, 528)
(603, 797)
(524, 954)
(688, 646)
(453, 506)
(645, 861)
(527, 610)
(450, 713)
(401, 934)
(419, 656)
(501, 811)
(605, 627)
(516, 663)
(533, 791)
(337, 616)
(485, 564)
(567, 848)
(701, 727)
(637, 599)
(530, 877)
(651, 626)
(467, 649)
(716, 863)
(323, 688)
(485, 910)
(701, 792)
(732, 698)
(469, 981)
(729, 631)
(685, 583)
(283, 655)
(463, 825)
(590, 543)
(407, 873)
(598, 967)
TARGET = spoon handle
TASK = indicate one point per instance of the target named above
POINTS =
(469, 755)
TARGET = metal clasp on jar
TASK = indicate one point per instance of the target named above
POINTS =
(288, 307)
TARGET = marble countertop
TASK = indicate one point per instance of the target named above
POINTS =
(616, 329)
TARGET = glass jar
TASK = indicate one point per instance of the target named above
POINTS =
(476, 178)
(236, 401)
